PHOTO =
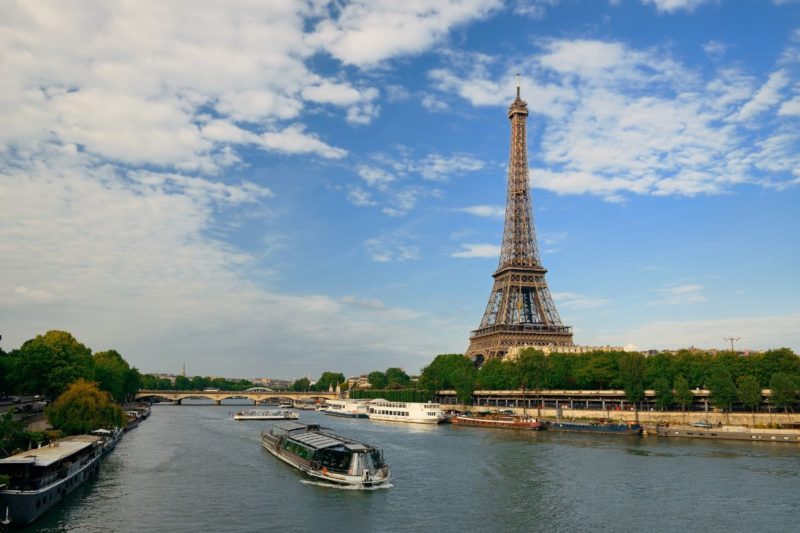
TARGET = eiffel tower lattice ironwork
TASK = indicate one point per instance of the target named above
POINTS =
(520, 311)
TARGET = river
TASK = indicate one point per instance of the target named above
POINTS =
(191, 468)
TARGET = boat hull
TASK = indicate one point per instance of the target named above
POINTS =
(498, 422)
(609, 429)
(26, 506)
(406, 419)
(345, 415)
(729, 434)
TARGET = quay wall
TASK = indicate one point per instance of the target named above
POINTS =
(652, 417)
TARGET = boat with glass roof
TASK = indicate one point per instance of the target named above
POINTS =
(326, 456)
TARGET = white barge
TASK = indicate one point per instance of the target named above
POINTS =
(346, 408)
(265, 414)
(326, 456)
(42, 477)
(415, 412)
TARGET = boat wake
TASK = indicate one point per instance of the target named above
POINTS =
(345, 487)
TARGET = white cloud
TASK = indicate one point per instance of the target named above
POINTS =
(715, 49)
(436, 167)
(478, 250)
(375, 177)
(671, 6)
(366, 33)
(767, 96)
(489, 211)
(620, 120)
(681, 295)
(790, 108)
(294, 140)
(534, 9)
(571, 300)
(391, 248)
(360, 197)
(756, 332)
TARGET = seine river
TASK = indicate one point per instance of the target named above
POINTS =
(191, 468)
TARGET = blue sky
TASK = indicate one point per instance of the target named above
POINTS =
(282, 188)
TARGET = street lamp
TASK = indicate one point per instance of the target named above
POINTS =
(731, 339)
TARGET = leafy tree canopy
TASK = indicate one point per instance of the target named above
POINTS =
(48, 363)
(82, 408)
(377, 379)
(396, 378)
(328, 379)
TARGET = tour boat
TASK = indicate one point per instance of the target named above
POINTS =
(41, 477)
(326, 456)
(346, 408)
(420, 413)
(495, 420)
(265, 414)
(628, 428)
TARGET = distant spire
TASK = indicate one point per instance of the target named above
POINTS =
(518, 86)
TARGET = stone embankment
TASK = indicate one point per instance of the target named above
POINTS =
(656, 417)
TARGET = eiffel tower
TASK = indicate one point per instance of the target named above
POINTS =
(520, 311)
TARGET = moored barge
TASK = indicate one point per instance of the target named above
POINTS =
(41, 477)
(346, 408)
(729, 433)
(326, 456)
(414, 412)
(265, 414)
(629, 428)
(493, 420)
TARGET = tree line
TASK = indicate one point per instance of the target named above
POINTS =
(729, 376)
(86, 388)
(47, 364)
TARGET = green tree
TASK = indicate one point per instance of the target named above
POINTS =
(396, 378)
(496, 374)
(683, 394)
(199, 383)
(749, 393)
(109, 371)
(377, 379)
(82, 408)
(48, 363)
(772, 362)
(663, 391)
(531, 369)
(182, 383)
(632, 375)
(301, 385)
(328, 379)
(722, 387)
(783, 389)
(450, 371)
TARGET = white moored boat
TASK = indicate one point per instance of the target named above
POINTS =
(416, 412)
(265, 414)
(346, 408)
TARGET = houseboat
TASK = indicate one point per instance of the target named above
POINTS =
(625, 428)
(41, 477)
(326, 456)
(415, 412)
(346, 408)
(497, 420)
(265, 414)
(727, 433)
(109, 437)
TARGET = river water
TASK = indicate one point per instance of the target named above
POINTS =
(191, 468)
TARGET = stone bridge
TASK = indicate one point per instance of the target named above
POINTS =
(178, 396)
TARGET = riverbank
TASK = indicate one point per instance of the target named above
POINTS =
(654, 417)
